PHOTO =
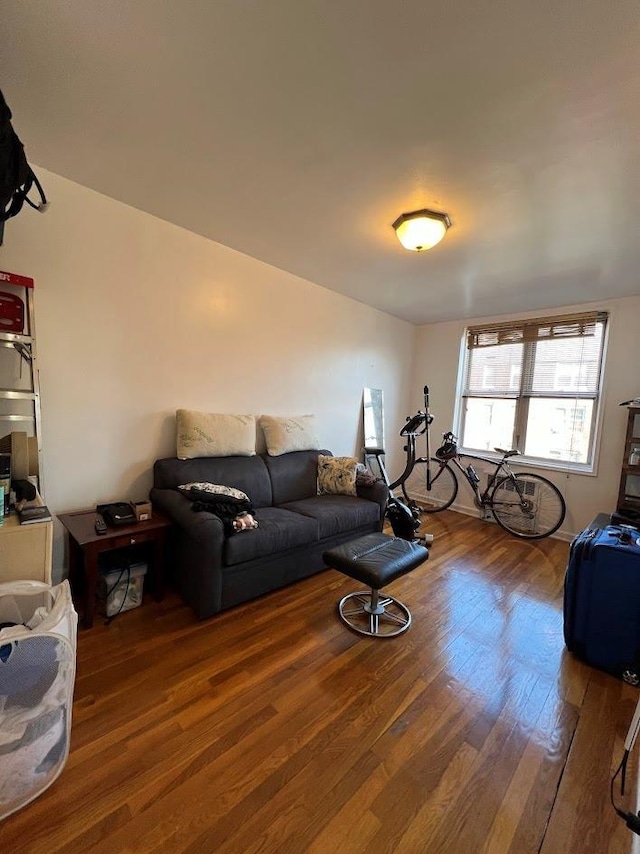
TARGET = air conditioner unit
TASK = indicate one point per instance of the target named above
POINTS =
(530, 487)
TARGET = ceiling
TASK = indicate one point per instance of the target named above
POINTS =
(296, 131)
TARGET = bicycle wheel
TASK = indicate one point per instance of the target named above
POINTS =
(444, 487)
(527, 506)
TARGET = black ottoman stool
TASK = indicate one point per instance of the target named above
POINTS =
(375, 560)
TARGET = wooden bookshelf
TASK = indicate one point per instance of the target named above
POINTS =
(629, 492)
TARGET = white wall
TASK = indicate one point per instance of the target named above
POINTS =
(136, 317)
(436, 364)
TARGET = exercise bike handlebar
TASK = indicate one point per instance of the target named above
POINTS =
(417, 424)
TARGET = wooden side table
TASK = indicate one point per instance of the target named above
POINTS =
(85, 546)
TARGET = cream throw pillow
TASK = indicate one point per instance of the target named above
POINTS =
(204, 434)
(337, 475)
(289, 433)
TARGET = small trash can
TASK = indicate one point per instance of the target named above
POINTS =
(121, 585)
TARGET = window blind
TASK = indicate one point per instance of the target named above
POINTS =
(494, 372)
(565, 367)
(535, 329)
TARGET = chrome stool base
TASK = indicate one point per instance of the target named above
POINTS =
(367, 613)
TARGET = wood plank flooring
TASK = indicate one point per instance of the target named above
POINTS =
(273, 728)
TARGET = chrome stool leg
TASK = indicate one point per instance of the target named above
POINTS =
(374, 616)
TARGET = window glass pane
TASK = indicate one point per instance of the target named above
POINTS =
(559, 429)
(488, 423)
(494, 370)
(567, 365)
(632, 486)
(546, 387)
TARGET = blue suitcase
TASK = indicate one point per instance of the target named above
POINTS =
(602, 600)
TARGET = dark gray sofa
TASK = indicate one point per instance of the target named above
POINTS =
(295, 525)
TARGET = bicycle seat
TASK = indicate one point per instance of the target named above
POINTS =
(505, 453)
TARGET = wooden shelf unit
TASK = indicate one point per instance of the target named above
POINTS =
(629, 492)
(20, 381)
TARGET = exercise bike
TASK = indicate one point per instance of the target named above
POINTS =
(404, 515)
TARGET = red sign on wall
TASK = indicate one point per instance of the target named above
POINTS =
(15, 279)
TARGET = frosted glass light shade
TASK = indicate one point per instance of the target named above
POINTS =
(421, 229)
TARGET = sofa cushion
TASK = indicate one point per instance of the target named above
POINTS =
(278, 531)
(284, 434)
(208, 434)
(248, 474)
(336, 514)
(293, 476)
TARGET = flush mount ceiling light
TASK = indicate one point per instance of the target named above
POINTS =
(421, 229)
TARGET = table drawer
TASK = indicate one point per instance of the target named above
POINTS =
(132, 539)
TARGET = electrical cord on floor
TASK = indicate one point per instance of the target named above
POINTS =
(631, 819)
(126, 593)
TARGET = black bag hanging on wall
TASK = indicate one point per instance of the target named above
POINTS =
(16, 176)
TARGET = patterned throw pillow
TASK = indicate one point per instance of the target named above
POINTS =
(199, 489)
(337, 475)
(284, 434)
(364, 477)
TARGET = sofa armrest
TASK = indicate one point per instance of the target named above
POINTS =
(178, 508)
(378, 493)
(199, 543)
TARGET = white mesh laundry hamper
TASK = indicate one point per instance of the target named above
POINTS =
(37, 673)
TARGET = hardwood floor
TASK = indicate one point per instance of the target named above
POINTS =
(273, 728)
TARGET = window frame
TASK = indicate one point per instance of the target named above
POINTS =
(523, 396)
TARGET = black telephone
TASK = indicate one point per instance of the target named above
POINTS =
(118, 513)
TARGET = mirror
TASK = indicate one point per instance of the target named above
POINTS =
(373, 418)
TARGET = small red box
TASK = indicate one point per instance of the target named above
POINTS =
(11, 313)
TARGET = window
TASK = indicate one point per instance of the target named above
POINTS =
(534, 385)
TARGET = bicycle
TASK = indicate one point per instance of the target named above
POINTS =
(526, 505)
